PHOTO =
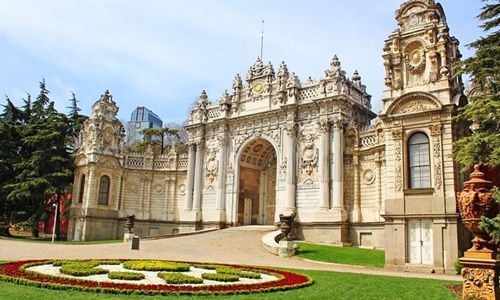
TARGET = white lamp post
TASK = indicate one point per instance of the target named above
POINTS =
(55, 221)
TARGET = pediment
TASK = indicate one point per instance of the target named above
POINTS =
(413, 103)
(81, 160)
(108, 163)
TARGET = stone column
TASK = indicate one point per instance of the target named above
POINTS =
(90, 189)
(338, 165)
(221, 176)
(290, 168)
(198, 179)
(188, 204)
(356, 190)
(324, 165)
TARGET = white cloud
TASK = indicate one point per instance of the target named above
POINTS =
(161, 54)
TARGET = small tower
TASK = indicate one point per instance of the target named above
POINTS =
(418, 56)
(98, 174)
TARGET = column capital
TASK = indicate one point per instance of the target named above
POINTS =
(291, 128)
(338, 123)
(323, 125)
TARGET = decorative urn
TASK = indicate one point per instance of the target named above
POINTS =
(286, 223)
(130, 222)
(475, 201)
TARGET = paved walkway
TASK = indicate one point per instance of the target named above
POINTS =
(239, 245)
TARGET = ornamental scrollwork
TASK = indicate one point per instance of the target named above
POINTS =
(283, 167)
(478, 283)
(398, 170)
(309, 156)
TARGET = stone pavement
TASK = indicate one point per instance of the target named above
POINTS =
(239, 245)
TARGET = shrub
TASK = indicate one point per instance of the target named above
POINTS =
(126, 275)
(81, 268)
(179, 278)
(156, 265)
(220, 277)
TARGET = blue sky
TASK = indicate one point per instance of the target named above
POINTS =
(162, 53)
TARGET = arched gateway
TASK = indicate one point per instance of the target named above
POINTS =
(256, 182)
(274, 145)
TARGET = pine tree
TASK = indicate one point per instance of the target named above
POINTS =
(482, 146)
(9, 155)
(43, 168)
(483, 110)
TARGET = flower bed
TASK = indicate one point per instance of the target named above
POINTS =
(18, 272)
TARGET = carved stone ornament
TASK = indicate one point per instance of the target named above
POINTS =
(230, 174)
(369, 176)
(283, 167)
(479, 283)
(309, 157)
(415, 61)
(212, 167)
(474, 202)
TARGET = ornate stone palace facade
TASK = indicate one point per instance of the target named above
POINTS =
(275, 145)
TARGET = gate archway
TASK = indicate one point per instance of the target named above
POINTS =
(257, 184)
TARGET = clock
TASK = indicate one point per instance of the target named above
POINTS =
(258, 88)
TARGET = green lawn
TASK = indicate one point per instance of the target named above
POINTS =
(327, 285)
(342, 255)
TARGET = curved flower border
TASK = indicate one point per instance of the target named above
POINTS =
(14, 272)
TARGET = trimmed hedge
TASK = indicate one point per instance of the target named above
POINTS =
(126, 275)
(156, 265)
(82, 268)
(220, 277)
(179, 278)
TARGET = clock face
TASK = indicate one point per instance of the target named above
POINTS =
(257, 88)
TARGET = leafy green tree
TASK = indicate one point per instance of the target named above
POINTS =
(482, 146)
(165, 136)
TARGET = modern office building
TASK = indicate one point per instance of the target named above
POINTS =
(141, 118)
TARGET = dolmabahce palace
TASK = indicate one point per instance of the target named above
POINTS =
(273, 144)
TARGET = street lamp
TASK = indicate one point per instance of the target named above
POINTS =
(55, 221)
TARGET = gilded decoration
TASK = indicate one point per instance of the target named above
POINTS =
(475, 201)
(415, 61)
(479, 283)
(309, 156)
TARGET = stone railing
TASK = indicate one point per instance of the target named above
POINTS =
(368, 141)
(160, 163)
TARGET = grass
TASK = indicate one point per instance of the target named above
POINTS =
(342, 255)
(327, 285)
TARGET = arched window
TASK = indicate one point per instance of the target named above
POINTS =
(103, 190)
(82, 189)
(419, 165)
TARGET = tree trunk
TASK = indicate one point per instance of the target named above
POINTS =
(34, 227)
